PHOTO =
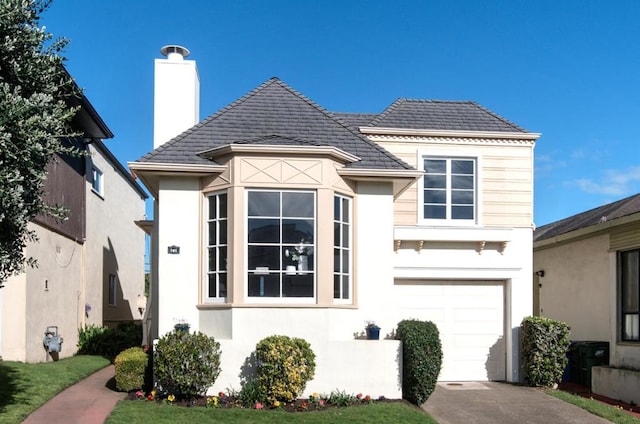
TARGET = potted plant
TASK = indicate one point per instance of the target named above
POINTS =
(373, 330)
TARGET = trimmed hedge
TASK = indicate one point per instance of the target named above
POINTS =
(108, 342)
(285, 365)
(186, 364)
(130, 367)
(421, 359)
(543, 353)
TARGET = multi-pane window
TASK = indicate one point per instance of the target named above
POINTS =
(449, 189)
(96, 180)
(216, 284)
(629, 275)
(341, 248)
(281, 227)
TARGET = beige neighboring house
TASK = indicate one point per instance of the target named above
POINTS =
(276, 216)
(91, 265)
(587, 274)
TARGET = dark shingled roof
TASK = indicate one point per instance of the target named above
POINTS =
(275, 109)
(442, 115)
(609, 212)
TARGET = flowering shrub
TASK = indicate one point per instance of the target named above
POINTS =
(285, 365)
(186, 364)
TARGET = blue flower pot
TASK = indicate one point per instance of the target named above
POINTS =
(373, 333)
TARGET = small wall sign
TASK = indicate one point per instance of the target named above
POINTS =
(173, 250)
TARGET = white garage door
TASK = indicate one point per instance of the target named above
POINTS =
(470, 318)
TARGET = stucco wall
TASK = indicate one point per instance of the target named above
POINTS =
(576, 286)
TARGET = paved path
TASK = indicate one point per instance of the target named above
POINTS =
(492, 403)
(89, 401)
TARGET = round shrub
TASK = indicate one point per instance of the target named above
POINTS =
(186, 364)
(285, 365)
(130, 367)
(421, 359)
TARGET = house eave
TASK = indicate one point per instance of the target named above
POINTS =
(331, 151)
(402, 179)
(585, 232)
(149, 172)
(449, 133)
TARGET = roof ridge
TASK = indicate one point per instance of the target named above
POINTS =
(385, 112)
(501, 118)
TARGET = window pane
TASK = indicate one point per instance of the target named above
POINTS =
(345, 236)
(459, 181)
(462, 197)
(264, 285)
(345, 210)
(264, 256)
(212, 233)
(435, 196)
(345, 287)
(336, 234)
(211, 290)
(630, 281)
(336, 260)
(264, 230)
(212, 207)
(631, 330)
(212, 259)
(297, 286)
(462, 212)
(336, 287)
(435, 212)
(435, 166)
(222, 213)
(297, 230)
(300, 205)
(264, 203)
(435, 181)
(345, 262)
(223, 284)
(222, 258)
(223, 231)
(462, 167)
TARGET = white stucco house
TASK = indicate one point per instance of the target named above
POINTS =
(90, 265)
(276, 216)
(588, 275)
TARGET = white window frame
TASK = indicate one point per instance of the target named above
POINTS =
(281, 272)
(113, 290)
(217, 220)
(348, 250)
(448, 156)
(629, 319)
(97, 180)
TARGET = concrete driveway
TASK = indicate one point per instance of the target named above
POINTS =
(493, 403)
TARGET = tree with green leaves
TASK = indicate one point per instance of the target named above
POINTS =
(34, 120)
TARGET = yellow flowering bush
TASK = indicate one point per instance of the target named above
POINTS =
(285, 365)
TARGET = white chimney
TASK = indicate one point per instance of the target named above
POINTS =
(176, 92)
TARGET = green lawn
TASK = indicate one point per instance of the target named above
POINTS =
(25, 387)
(127, 412)
(607, 412)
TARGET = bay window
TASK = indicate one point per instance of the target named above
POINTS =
(341, 249)
(216, 283)
(281, 228)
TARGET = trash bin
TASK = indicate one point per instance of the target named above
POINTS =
(570, 374)
(590, 354)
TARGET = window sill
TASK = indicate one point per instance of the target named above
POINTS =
(205, 306)
(97, 193)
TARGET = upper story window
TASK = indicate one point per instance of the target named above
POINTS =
(629, 277)
(281, 228)
(341, 249)
(449, 189)
(216, 282)
(96, 180)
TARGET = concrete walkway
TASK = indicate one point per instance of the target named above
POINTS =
(90, 401)
(492, 403)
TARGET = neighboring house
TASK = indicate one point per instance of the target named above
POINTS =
(587, 274)
(90, 265)
(276, 216)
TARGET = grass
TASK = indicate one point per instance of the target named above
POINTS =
(25, 387)
(607, 412)
(384, 412)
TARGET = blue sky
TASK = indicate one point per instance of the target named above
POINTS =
(566, 69)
